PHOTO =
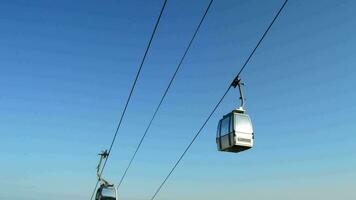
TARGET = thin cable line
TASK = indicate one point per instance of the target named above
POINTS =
(190, 144)
(216, 106)
(131, 91)
(263, 36)
(165, 93)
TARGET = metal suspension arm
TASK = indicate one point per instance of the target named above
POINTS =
(103, 155)
(237, 83)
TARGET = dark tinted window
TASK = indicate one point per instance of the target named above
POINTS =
(107, 198)
(225, 126)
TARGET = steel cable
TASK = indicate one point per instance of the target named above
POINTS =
(131, 91)
(165, 93)
(217, 105)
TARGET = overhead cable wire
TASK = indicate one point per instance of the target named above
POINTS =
(131, 91)
(165, 93)
(217, 105)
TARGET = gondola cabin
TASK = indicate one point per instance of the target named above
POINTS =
(106, 193)
(235, 132)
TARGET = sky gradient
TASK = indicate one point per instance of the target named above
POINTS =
(66, 68)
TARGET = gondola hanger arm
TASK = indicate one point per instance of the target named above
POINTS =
(237, 83)
(103, 156)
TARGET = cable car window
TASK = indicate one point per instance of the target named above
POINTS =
(225, 126)
(218, 130)
(108, 198)
(243, 124)
(108, 194)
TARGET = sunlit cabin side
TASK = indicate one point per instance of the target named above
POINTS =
(235, 132)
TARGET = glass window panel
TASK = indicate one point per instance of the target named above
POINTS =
(108, 192)
(243, 124)
(108, 198)
(225, 126)
(218, 130)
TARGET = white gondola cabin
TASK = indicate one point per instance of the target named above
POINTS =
(106, 192)
(235, 132)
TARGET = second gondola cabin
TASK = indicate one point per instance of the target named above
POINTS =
(235, 132)
(106, 192)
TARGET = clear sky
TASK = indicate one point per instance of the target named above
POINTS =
(65, 72)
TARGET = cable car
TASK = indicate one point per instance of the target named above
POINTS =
(106, 192)
(235, 131)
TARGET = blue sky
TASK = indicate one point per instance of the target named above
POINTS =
(65, 72)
